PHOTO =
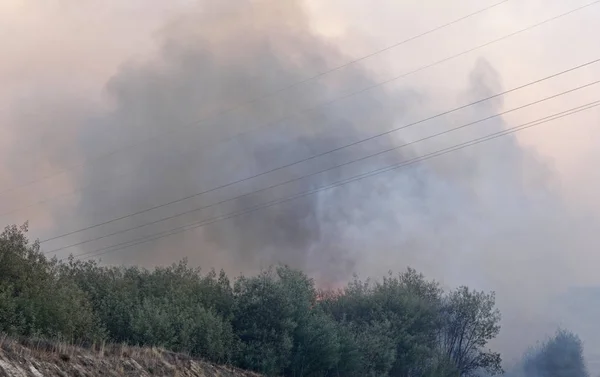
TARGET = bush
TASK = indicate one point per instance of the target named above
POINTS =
(37, 301)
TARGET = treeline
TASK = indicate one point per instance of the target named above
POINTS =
(276, 323)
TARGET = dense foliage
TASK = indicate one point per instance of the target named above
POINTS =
(276, 323)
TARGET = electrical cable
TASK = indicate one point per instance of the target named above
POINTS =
(187, 212)
(323, 153)
(437, 153)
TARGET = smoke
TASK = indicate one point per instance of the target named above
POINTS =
(491, 216)
(210, 61)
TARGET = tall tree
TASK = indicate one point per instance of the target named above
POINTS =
(470, 321)
(35, 299)
(317, 346)
(268, 309)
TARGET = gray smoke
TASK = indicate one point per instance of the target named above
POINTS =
(205, 68)
(489, 216)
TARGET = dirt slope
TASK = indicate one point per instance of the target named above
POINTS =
(27, 358)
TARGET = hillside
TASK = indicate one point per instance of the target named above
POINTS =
(37, 359)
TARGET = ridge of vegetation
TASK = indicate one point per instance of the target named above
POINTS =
(276, 323)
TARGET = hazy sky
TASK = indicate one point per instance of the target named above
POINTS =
(79, 77)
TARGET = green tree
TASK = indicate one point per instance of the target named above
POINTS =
(407, 306)
(561, 356)
(470, 321)
(317, 348)
(175, 307)
(266, 312)
(35, 299)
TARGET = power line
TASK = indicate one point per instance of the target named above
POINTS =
(438, 153)
(375, 85)
(328, 152)
(353, 179)
(330, 168)
(260, 98)
(323, 105)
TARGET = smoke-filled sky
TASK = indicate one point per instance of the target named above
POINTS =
(154, 82)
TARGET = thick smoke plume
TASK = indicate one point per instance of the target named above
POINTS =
(489, 216)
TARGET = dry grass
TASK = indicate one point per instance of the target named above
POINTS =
(43, 358)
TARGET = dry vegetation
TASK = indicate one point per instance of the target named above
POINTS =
(37, 358)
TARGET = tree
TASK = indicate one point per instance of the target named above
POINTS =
(268, 310)
(35, 299)
(317, 345)
(175, 307)
(561, 356)
(470, 321)
(402, 311)
(413, 307)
